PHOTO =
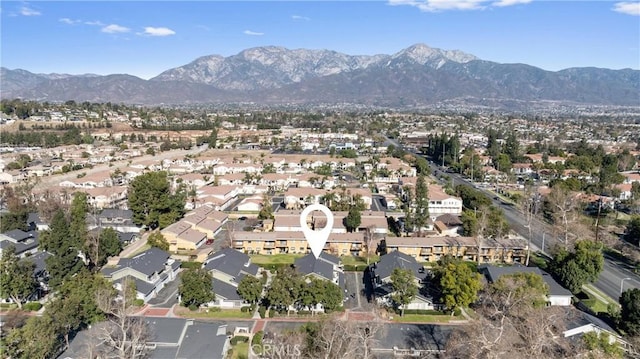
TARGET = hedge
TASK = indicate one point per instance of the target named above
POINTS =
(262, 310)
(239, 339)
(32, 306)
(354, 267)
(191, 265)
(245, 309)
(257, 338)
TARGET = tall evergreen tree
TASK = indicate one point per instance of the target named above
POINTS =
(421, 216)
(153, 202)
(64, 261)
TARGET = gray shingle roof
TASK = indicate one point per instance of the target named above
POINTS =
(27, 243)
(388, 262)
(141, 286)
(202, 341)
(116, 213)
(165, 330)
(148, 262)
(323, 266)
(231, 262)
(225, 290)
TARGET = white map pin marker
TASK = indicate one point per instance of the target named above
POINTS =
(316, 239)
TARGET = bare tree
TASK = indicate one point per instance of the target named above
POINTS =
(512, 322)
(369, 247)
(565, 204)
(124, 335)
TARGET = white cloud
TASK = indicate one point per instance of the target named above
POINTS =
(158, 31)
(629, 8)
(503, 3)
(115, 29)
(68, 21)
(299, 18)
(444, 5)
(27, 11)
(94, 23)
(253, 33)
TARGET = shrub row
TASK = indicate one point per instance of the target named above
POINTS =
(239, 339)
(32, 306)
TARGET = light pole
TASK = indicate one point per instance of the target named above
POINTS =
(622, 284)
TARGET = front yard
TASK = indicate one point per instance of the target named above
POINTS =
(211, 313)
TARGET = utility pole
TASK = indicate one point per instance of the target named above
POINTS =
(472, 166)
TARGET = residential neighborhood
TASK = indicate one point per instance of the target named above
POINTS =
(193, 239)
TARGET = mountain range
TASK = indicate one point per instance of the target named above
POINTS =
(414, 77)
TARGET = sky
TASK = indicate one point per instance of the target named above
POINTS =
(145, 38)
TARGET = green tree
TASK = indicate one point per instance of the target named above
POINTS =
(421, 216)
(630, 311)
(332, 296)
(64, 262)
(156, 239)
(285, 289)
(583, 265)
(213, 138)
(458, 283)
(266, 212)
(78, 219)
(20, 343)
(153, 202)
(469, 223)
(196, 287)
(16, 277)
(353, 219)
(633, 230)
(404, 287)
(598, 342)
(250, 289)
(519, 289)
(99, 248)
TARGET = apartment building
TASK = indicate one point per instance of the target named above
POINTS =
(432, 249)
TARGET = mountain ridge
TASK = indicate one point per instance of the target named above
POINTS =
(416, 76)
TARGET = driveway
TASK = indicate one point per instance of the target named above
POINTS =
(168, 296)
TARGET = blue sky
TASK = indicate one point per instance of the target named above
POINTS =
(145, 38)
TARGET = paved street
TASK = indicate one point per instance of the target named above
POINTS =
(614, 271)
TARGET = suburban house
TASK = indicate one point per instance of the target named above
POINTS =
(35, 223)
(206, 220)
(558, 295)
(169, 338)
(183, 238)
(120, 220)
(227, 267)
(326, 267)
(296, 198)
(220, 197)
(441, 203)
(25, 243)
(582, 323)
(151, 270)
(380, 274)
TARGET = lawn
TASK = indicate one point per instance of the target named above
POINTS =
(352, 260)
(222, 314)
(240, 350)
(262, 259)
(424, 318)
